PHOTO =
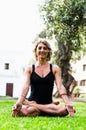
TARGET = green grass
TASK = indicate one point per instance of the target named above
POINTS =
(41, 123)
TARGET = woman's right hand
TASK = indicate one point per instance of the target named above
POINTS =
(17, 107)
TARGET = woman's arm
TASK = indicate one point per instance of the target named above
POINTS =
(26, 85)
(62, 90)
(24, 90)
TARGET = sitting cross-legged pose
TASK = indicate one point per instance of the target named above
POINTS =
(40, 79)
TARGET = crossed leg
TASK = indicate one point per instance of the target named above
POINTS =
(52, 110)
(31, 108)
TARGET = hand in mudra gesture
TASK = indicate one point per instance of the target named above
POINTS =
(17, 107)
(70, 110)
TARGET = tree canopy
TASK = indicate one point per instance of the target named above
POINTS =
(65, 19)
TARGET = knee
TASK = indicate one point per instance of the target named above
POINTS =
(63, 112)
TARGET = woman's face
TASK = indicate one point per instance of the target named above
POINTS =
(42, 51)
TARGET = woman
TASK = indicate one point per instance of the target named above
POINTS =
(41, 77)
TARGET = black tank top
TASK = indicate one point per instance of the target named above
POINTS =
(41, 88)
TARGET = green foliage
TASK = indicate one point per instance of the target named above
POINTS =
(41, 123)
(66, 20)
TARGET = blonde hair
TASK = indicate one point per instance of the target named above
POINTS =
(45, 42)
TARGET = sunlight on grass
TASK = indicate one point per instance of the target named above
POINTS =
(41, 123)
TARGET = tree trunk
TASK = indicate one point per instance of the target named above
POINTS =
(64, 55)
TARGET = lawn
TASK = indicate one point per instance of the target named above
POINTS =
(41, 123)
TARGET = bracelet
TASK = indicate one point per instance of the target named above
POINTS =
(63, 94)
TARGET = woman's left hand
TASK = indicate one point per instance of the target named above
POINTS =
(70, 110)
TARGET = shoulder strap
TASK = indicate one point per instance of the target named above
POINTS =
(33, 68)
(51, 67)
